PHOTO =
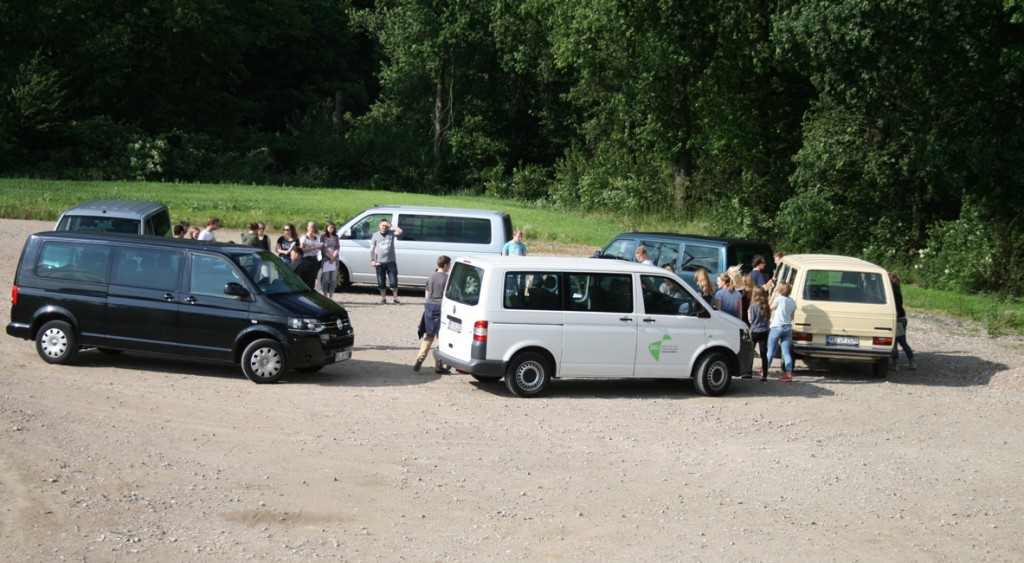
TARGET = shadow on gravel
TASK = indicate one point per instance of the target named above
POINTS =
(660, 389)
(934, 369)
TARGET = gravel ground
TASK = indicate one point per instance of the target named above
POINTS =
(141, 458)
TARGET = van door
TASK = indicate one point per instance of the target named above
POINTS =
(209, 320)
(671, 331)
(461, 309)
(142, 302)
(600, 325)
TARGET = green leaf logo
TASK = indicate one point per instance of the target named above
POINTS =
(655, 347)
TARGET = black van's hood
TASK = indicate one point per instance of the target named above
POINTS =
(310, 305)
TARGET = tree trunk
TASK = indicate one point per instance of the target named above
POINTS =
(439, 112)
(337, 117)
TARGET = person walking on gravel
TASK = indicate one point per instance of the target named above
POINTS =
(430, 321)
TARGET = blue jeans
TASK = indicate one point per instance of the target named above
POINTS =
(386, 272)
(781, 335)
(901, 340)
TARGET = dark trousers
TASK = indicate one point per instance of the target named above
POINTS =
(760, 340)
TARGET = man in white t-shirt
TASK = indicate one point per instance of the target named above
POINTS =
(209, 233)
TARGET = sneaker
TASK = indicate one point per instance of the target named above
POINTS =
(397, 302)
(911, 365)
(747, 376)
(786, 377)
(764, 379)
(419, 362)
(383, 301)
(761, 373)
(440, 367)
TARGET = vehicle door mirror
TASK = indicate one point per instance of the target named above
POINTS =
(345, 233)
(597, 254)
(237, 290)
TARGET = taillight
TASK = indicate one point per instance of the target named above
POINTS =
(14, 295)
(480, 330)
(802, 336)
(882, 341)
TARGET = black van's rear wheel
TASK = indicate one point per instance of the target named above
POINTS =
(263, 361)
(528, 374)
(56, 342)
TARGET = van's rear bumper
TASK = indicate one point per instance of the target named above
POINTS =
(842, 352)
(19, 330)
(473, 366)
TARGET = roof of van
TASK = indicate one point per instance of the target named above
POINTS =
(564, 263)
(833, 261)
(436, 210)
(150, 241)
(693, 237)
(116, 208)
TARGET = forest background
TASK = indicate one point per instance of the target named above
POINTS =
(886, 129)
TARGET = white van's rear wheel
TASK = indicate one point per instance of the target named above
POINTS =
(56, 342)
(712, 377)
(263, 361)
(528, 374)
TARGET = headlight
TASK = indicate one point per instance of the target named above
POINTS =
(305, 325)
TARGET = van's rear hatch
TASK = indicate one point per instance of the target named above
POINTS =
(844, 314)
(461, 308)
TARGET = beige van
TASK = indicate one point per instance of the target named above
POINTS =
(844, 309)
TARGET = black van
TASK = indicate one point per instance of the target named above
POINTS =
(204, 300)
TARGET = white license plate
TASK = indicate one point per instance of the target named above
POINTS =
(454, 326)
(843, 340)
(342, 356)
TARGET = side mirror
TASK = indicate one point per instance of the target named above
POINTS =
(345, 233)
(237, 290)
(597, 254)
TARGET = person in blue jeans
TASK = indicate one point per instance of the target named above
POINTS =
(780, 331)
(901, 331)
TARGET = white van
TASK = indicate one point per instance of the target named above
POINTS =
(427, 232)
(117, 216)
(529, 319)
(845, 309)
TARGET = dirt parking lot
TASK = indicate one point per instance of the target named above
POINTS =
(139, 458)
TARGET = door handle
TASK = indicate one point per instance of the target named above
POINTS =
(191, 300)
(650, 320)
(626, 319)
(168, 297)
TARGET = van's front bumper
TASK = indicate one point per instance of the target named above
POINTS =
(494, 368)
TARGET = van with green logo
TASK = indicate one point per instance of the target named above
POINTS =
(532, 319)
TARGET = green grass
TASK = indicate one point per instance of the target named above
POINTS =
(238, 205)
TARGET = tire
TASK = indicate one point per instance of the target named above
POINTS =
(712, 377)
(263, 361)
(344, 279)
(527, 375)
(487, 378)
(880, 369)
(310, 369)
(56, 342)
(110, 351)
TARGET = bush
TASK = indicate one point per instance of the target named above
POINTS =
(960, 255)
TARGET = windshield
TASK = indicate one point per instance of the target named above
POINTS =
(269, 274)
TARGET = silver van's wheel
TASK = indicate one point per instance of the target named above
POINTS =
(528, 374)
(56, 342)
(712, 377)
(263, 361)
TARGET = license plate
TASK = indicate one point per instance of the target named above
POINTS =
(342, 356)
(454, 325)
(843, 340)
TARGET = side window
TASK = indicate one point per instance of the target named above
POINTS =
(664, 296)
(152, 269)
(668, 255)
(209, 275)
(365, 227)
(434, 228)
(600, 293)
(533, 290)
(72, 261)
(159, 224)
(464, 284)
(621, 249)
(696, 256)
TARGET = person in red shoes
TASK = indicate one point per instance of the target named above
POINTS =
(780, 332)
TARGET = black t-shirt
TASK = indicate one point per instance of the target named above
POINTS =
(306, 268)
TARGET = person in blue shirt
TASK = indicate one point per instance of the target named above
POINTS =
(757, 273)
(514, 247)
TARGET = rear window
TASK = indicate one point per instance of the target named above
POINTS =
(464, 284)
(438, 228)
(846, 287)
(88, 224)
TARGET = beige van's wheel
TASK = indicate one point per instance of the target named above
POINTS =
(56, 342)
(712, 377)
(263, 361)
(528, 374)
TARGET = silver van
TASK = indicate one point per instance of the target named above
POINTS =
(427, 232)
(117, 216)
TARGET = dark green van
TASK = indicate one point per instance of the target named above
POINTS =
(203, 300)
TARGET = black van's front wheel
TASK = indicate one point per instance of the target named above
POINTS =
(263, 361)
(56, 342)
(528, 374)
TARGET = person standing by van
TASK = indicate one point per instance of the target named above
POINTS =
(758, 264)
(382, 258)
(210, 232)
(330, 251)
(430, 321)
(703, 281)
(514, 247)
(780, 332)
(303, 266)
(759, 313)
(252, 237)
(728, 299)
(285, 243)
(901, 328)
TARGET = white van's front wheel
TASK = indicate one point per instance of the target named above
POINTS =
(528, 374)
(712, 377)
